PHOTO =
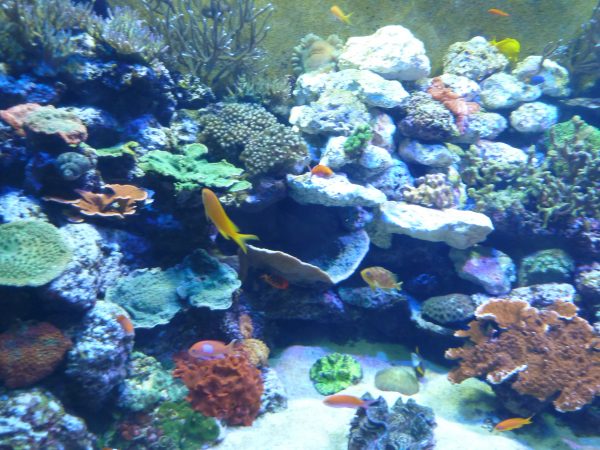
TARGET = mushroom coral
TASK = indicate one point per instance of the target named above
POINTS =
(229, 388)
(548, 354)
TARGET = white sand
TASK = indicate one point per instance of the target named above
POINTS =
(307, 424)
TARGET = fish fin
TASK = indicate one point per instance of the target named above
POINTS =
(240, 239)
(347, 18)
(398, 285)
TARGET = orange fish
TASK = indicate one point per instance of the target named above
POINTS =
(126, 324)
(211, 349)
(275, 281)
(215, 212)
(338, 13)
(321, 170)
(378, 277)
(498, 12)
(512, 424)
(346, 401)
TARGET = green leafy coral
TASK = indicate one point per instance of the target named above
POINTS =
(335, 372)
(565, 183)
(191, 171)
(358, 140)
(32, 253)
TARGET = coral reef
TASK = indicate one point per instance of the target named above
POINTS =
(457, 105)
(36, 419)
(546, 266)
(334, 373)
(433, 191)
(30, 352)
(540, 353)
(488, 267)
(314, 53)
(98, 362)
(191, 171)
(406, 425)
(229, 388)
(449, 309)
(32, 253)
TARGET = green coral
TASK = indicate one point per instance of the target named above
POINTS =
(335, 372)
(184, 428)
(127, 149)
(563, 184)
(250, 134)
(32, 253)
(191, 171)
(147, 384)
(546, 266)
(358, 140)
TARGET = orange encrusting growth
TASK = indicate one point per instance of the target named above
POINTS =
(321, 170)
(217, 215)
(126, 324)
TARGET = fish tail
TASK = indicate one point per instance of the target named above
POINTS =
(398, 285)
(240, 239)
(347, 18)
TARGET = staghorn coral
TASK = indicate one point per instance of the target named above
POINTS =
(457, 105)
(30, 352)
(548, 354)
(433, 191)
(32, 253)
(228, 388)
(315, 54)
(120, 203)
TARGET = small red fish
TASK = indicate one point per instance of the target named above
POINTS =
(346, 401)
(125, 322)
(321, 170)
(275, 281)
(211, 350)
(512, 424)
(498, 12)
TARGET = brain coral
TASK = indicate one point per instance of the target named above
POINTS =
(228, 388)
(447, 309)
(32, 253)
(30, 352)
(335, 372)
(548, 354)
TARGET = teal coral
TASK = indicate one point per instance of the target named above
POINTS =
(335, 372)
(32, 253)
(191, 171)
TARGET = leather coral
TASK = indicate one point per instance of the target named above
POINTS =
(229, 388)
(548, 354)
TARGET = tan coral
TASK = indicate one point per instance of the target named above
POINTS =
(256, 351)
(246, 326)
(543, 353)
(120, 203)
(315, 54)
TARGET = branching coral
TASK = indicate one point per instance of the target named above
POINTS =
(30, 352)
(121, 201)
(457, 105)
(548, 354)
(565, 184)
(229, 388)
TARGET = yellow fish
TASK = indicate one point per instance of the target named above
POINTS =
(509, 47)
(378, 277)
(215, 212)
(337, 12)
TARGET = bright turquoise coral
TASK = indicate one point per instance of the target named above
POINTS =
(334, 373)
(32, 253)
(191, 171)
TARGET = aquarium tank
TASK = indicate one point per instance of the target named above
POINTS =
(299, 225)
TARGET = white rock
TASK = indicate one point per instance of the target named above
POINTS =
(555, 76)
(369, 88)
(433, 155)
(375, 158)
(502, 90)
(457, 228)
(335, 190)
(384, 129)
(475, 59)
(392, 52)
(481, 125)
(334, 155)
(534, 117)
(500, 152)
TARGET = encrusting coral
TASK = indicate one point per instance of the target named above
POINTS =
(123, 201)
(459, 107)
(31, 351)
(229, 388)
(432, 190)
(550, 354)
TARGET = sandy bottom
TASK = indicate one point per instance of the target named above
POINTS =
(463, 412)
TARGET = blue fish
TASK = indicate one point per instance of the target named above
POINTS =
(536, 79)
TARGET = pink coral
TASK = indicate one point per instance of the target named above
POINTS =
(543, 353)
(457, 105)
